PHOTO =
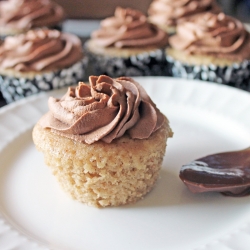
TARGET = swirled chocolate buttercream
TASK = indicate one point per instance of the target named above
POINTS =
(104, 110)
(169, 12)
(21, 15)
(39, 50)
(128, 28)
(213, 34)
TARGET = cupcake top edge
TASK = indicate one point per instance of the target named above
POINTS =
(39, 50)
(128, 28)
(169, 12)
(27, 14)
(214, 35)
(104, 110)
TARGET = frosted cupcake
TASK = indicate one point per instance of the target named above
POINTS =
(212, 47)
(104, 142)
(126, 44)
(39, 60)
(19, 16)
(167, 13)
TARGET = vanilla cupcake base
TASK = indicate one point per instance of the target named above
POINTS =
(116, 62)
(219, 70)
(15, 86)
(102, 174)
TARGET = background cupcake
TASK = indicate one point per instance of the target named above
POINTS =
(167, 13)
(128, 45)
(39, 60)
(104, 142)
(212, 47)
(18, 16)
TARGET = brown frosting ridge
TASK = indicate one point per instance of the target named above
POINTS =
(128, 28)
(104, 110)
(169, 12)
(40, 50)
(26, 14)
(213, 34)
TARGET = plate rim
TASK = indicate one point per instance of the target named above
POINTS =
(35, 106)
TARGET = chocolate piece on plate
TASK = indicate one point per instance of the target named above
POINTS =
(227, 173)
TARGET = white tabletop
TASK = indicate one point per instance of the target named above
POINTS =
(82, 28)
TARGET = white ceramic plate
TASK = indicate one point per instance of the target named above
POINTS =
(36, 214)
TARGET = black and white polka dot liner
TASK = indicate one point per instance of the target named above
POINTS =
(14, 88)
(145, 64)
(236, 75)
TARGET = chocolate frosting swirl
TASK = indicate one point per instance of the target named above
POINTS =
(213, 34)
(104, 110)
(169, 12)
(40, 50)
(128, 28)
(26, 14)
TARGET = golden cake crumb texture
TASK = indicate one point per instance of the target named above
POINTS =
(103, 174)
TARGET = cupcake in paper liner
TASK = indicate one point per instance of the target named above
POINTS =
(126, 44)
(39, 60)
(104, 141)
(167, 13)
(19, 16)
(211, 47)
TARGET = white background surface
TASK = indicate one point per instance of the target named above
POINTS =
(36, 214)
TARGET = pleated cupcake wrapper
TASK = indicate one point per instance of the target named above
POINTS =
(145, 64)
(14, 88)
(236, 75)
(2, 100)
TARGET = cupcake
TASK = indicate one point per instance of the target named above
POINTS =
(104, 142)
(211, 47)
(19, 16)
(126, 44)
(39, 60)
(167, 13)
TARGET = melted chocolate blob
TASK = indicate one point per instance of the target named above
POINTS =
(228, 173)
